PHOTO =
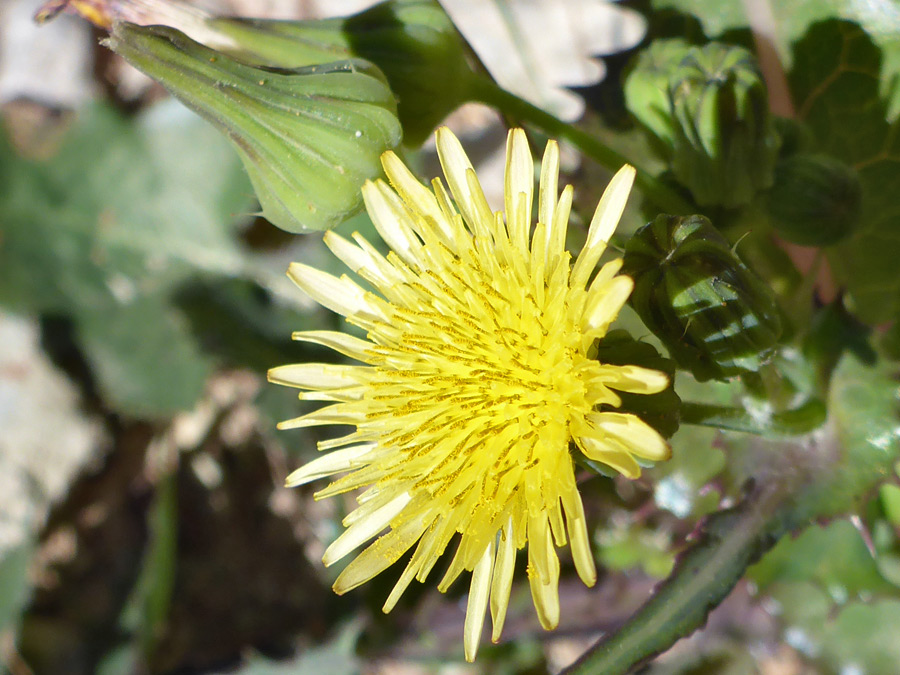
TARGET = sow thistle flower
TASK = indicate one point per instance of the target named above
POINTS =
(478, 381)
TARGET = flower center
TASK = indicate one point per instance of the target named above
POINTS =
(484, 378)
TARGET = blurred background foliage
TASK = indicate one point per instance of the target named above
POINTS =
(143, 526)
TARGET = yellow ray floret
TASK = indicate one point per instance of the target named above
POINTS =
(476, 381)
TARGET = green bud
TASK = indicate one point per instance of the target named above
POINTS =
(725, 145)
(815, 200)
(413, 42)
(715, 316)
(647, 87)
(309, 137)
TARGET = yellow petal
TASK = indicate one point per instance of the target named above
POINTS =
(330, 464)
(549, 186)
(632, 432)
(545, 592)
(362, 530)
(339, 342)
(611, 453)
(392, 220)
(501, 583)
(420, 198)
(556, 236)
(633, 379)
(604, 223)
(518, 188)
(606, 306)
(318, 375)
(579, 541)
(342, 413)
(476, 606)
(339, 295)
(467, 193)
(381, 554)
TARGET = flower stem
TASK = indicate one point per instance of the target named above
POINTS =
(800, 420)
(485, 90)
(704, 574)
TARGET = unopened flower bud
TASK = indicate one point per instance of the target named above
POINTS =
(413, 42)
(308, 137)
(708, 108)
(714, 315)
(647, 88)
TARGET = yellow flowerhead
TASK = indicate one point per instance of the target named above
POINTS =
(478, 380)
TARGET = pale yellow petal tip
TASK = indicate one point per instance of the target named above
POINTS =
(549, 616)
(294, 271)
(470, 646)
(445, 140)
(389, 159)
(443, 133)
(655, 381)
(368, 188)
(626, 173)
(667, 455)
(515, 137)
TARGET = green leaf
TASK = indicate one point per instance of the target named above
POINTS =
(123, 213)
(863, 636)
(623, 547)
(860, 448)
(309, 137)
(834, 557)
(835, 85)
(125, 207)
(860, 637)
(144, 356)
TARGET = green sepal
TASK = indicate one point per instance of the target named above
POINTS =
(413, 42)
(815, 200)
(725, 144)
(713, 314)
(309, 137)
(659, 410)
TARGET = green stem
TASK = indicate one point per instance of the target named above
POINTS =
(484, 90)
(704, 574)
(800, 420)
